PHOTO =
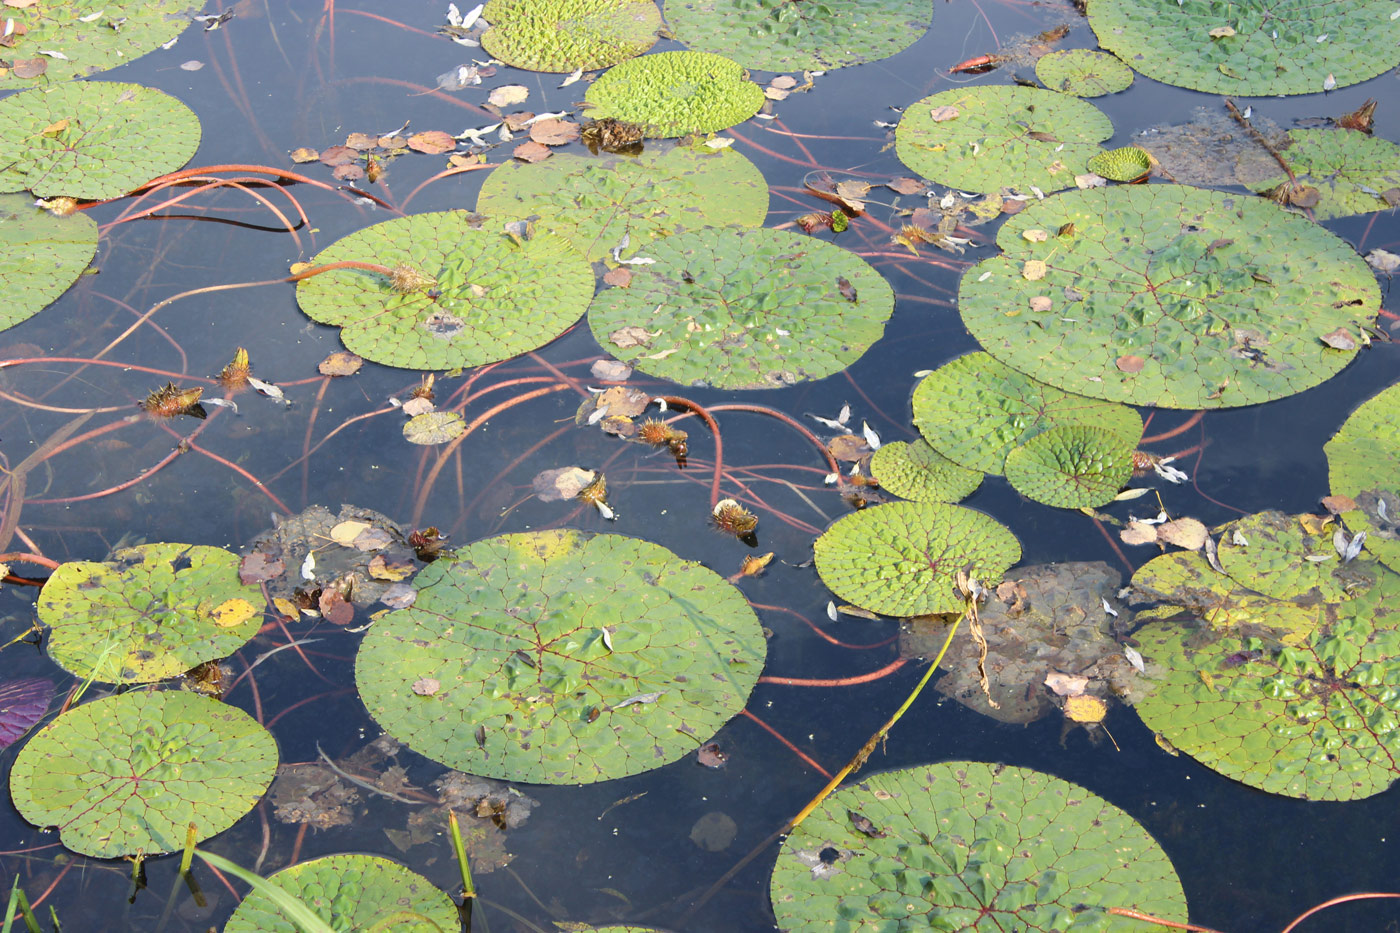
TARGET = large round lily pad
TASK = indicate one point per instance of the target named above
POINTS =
(998, 138)
(92, 139)
(975, 410)
(598, 201)
(1352, 172)
(965, 845)
(565, 35)
(41, 254)
(1273, 554)
(490, 298)
(1363, 462)
(89, 37)
(1251, 47)
(675, 93)
(917, 471)
(128, 774)
(351, 892)
(901, 558)
(1083, 73)
(743, 309)
(1168, 295)
(149, 613)
(1071, 466)
(557, 657)
(800, 36)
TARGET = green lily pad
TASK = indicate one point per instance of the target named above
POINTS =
(1352, 172)
(1363, 462)
(128, 774)
(495, 298)
(120, 32)
(565, 35)
(993, 138)
(434, 427)
(743, 309)
(1128, 163)
(917, 471)
(149, 613)
(557, 657)
(776, 35)
(41, 254)
(1168, 295)
(351, 892)
(975, 410)
(1271, 553)
(1314, 719)
(92, 139)
(965, 845)
(900, 559)
(1251, 47)
(1083, 73)
(676, 93)
(1071, 466)
(597, 201)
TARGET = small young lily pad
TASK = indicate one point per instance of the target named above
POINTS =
(129, 774)
(1352, 172)
(965, 845)
(149, 613)
(995, 138)
(565, 35)
(88, 40)
(351, 892)
(1363, 463)
(916, 471)
(41, 254)
(900, 559)
(743, 309)
(676, 93)
(1071, 466)
(1127, 163)
(92, 139)
(1083, 73)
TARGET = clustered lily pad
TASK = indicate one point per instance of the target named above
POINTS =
(965, 845)
(88, 40)
(1363, 463)
(41, 254)
(1083, 73)
(917, 471)
(676, 93)
(1071, 466)
(566, 35)
(1168, 295)
(1353, 173)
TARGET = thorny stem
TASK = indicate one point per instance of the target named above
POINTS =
(787, 743)
(709, 420)
(791, 422)
(1138, 915)
(1365, 895)
(27, 558)
(852, 681)
(1259, 138)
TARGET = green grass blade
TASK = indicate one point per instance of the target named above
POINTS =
(292, 907)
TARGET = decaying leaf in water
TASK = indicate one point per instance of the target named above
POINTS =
(562, 484)
(1086, 709)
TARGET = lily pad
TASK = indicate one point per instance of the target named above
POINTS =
(92, 139)
(1071, 466)
(351, 892)
(565, 35)
(995, 138)
(917, 471)
(491, 298)
(41, 254)
(23, 703)
(1251, 47)
(1363, 462)
(965, 845)
(975, 410)
(1352, 172)
(900, 559)
(1083, 73)
(743, 309)
(1273, 554)
(119, 32)
(774, 35)
(562, 658)
(128, 774)
(434, 427)
(676, 93)
(1127, 163)
(149, 613)
(1168, 295)
(597, 202)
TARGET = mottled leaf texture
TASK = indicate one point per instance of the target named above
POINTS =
(565, 35)
(676, 93)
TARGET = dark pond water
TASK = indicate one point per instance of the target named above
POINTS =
(284, 75)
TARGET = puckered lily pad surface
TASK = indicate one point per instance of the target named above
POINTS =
(92, 139)
(1168, 295)
(351, 892)
(40, 256)
(1071, 466)
(900, 559)
(1126, 163)
(1363, 462)
(564, 35)
(1352, 172)
(975, 410)
(495, 298)
(561, 658)
(964, 845)
(1251, 47)
(675, 93)
(775, 35)
(993, 138)
(118, 33)
(128, 774)
(1083, 73)
(917, 471)
(597, 201)
(149, 613)
(743, 309)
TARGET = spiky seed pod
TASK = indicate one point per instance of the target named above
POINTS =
(234, 376)
(424, 389)
(1143, 462)
(168, 401)
(404, 279)
(596, 495)
(660, 434)
(59, 207)
(732, 518)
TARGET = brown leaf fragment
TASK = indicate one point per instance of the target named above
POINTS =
(30, 67)
(304, 154)
(1130, 364)
(630, 336)
(1338, 504)
(340, 363)
(391, 569)
(752, 566)
(848, 291)
(620, 277)
(554, 132)
(848, 447)
(432, 142)
(863, 824)
(531, 152)
(610, 370)
(399, 596)
(1066, 685)
(944, 113)
(362, 142)
(258, 567)
(783, 82)
(515, 122)
(561, 484)
(1339, 339)
(1139, 533)
(710, 755)
(348, 172)
(1185, 533)
(1213, 555)
(335, 609)
(905, 185)
(1085, 709)
(426, 686)
(338, 155)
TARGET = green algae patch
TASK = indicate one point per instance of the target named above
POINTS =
(1071, 466)
(1083, 73)
(1352, 173)
(916, 471)
(41, 255)
(90, 37)
(1363, 463)
(676, 93)
(566, 35)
